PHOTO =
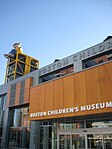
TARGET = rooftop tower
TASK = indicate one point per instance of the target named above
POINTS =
(18, 63)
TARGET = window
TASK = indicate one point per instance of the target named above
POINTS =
(110, 58)
(89, 63)
(101, 61)
(99, 124)
(57, 74)
(20, 117)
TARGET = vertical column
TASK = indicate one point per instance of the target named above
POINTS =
(6, 129)
(24, 141)
(78, 66)
(57, 140)
(86, 144)
(46, 138)
(35, 135)
(35, 81)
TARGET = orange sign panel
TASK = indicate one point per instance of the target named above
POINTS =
(83, 93)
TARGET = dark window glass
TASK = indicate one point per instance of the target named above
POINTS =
(110, 58)
(101, 61)
(89, 63)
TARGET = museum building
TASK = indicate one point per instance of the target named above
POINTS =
(64, 105)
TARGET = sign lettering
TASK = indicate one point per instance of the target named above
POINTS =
(73, 109)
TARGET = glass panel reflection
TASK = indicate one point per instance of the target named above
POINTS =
(78, 141)
(94, 141)
(107, 140)
(64, 141)
(100, 124)
(20, 137)
(99, 141)
(20, 130)
(75, 125)
(71, 141)
(54, 136)
(20, 117)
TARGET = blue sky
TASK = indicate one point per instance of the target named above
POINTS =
(50, 29)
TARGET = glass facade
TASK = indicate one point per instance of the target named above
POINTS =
(20, 117)
(98, 59)
(99, 141)
(2, 109)
(86, 134)
(48, 134)
(71, 141)
(73, 134)
(72, 125)
(20, 137)
(59, 73)
(20, 129)
(99, 124)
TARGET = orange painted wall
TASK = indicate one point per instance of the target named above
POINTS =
(105, 76)
(58, 96)
(8, 96)
(28, 83)
(80, 95)
(68, 93)
(88, 87)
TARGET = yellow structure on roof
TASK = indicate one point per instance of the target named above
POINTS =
(19, 64)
